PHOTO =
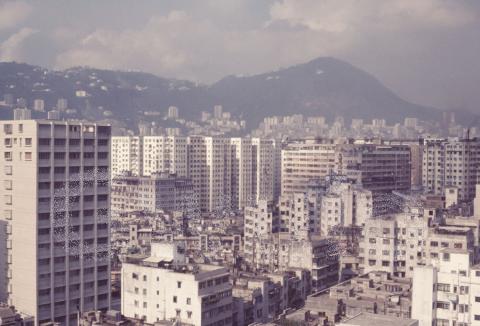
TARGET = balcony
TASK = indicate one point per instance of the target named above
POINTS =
(59, 296)
(43, 253)
(44, 238)
(88, 204)
(44, 283)
(59, 162)
(44, 176)
(102, 233)
(44, 269)
(59, 176)
(44, 162)
(44, 193)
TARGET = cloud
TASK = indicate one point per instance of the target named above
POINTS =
(13, 13)
(352, 15)
(12, 48)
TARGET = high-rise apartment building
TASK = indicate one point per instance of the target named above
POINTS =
(451, 162)
(345, 204)
(265, 168)
(127, 155)
(22, 114)
(165, 154)
(39, 105)
(55, 186)
(305, 161)
(241, 184)
(155, 193)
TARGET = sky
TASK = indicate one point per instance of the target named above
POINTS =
(427, 51)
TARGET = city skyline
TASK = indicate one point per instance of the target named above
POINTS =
(423, 50)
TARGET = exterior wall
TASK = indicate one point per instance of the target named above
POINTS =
(157, 294)
(127, 155)
(156, 193)
(447, 291)
(451, 162)
(59, 176)
(302, 162)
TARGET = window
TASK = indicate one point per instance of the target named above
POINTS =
(476, 317)
(7, 156)
(145, 278)
(28, 156)
(8, 170)
(136, 290)
(8, 184)
(179, 284)
(174, 299)
(135, 303)
(189, 314)
(372, 240)
(463, 289)
(189, 301)
(446, 256)
(442, 305)
(463, 308)
(443, 287)
(8, 199)
(144, 291)
(144, 305)
(477, 299)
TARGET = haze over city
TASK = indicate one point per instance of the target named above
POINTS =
(426, 51)
(239, 163)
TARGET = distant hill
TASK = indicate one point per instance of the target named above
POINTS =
(324, 86)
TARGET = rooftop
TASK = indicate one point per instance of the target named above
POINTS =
(369, 319)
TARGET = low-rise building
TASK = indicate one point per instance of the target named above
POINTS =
(165, 287)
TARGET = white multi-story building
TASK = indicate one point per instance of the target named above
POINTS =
(451, 162)
(300, 214)
(127, 155)
(264, 168)
(155, 193)
(241, 172)
(260, 221)
(345, 204)
(165, 154)
(447, 292)
(394, 244)
(55, 202)
(39, 105)
(305, 161)
(163, 287)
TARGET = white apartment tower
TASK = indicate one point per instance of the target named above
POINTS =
(127, 155)
(165, 154)
(264, 167)
(209, 168)
(55, 202)
(451, 162)
(241, 172)
(304, 161)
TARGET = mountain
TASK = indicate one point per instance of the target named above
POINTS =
(324, 86)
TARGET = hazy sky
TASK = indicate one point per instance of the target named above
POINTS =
(428, 51)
